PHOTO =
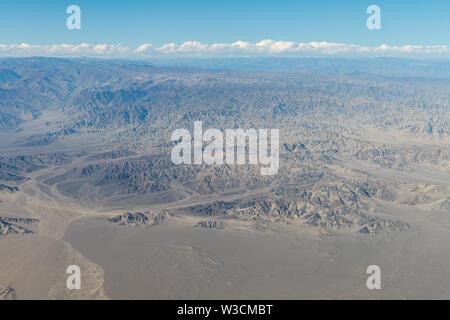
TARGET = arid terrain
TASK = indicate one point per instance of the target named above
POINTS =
(86, 179)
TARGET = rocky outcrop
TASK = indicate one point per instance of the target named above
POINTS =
(4, 187)
(18, 220)
(139, 219)
(330, 206)
(210, 224)
(12, 225)
(7, 293)
(7, 228)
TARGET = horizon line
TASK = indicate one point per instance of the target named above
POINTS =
(237, 49)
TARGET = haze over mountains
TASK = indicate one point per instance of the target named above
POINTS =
(86, 174)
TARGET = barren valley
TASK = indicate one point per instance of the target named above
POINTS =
(86, 179)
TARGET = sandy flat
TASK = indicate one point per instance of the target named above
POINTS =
(176, 261)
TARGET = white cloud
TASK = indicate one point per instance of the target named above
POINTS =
(61, 50)
(144, 48)
(238, 48)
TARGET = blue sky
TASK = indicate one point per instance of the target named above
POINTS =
(135, 22)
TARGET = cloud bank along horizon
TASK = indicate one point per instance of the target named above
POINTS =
(236, 49)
